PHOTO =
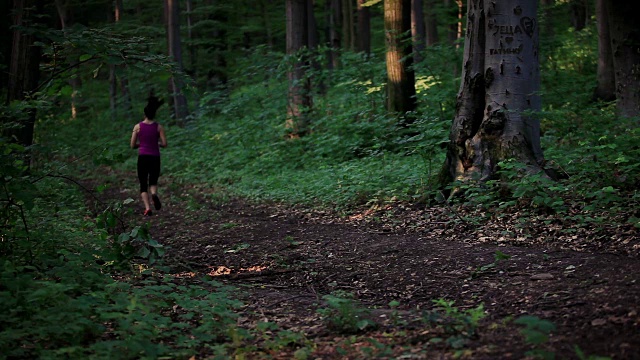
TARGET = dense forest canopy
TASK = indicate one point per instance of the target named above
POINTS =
(519, 109)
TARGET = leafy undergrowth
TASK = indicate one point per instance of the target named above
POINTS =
(215, 277)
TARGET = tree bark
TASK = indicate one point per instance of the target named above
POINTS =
(495, 116)
(125, 94)
(217, 77)
(418, 30)
(191, 48)
(6, 38)
(547, 5)
(364, 28)
(334, 12)
(266, 22)
(606, 80)
(299, 97)
(579, 13)
(313, 42)
(401, 92)
(455, 9)
(431, 23)
(24, 69)
(179, 101)
(66, 20)
(348, 28)
(625, 45)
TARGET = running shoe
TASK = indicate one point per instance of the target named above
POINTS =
(147, 213)
(156, 201)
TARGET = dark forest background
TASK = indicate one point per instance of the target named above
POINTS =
(226, 119)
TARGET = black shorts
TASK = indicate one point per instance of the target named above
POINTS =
(148, 171)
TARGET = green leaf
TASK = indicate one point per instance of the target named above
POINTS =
(66, 90)
(144, 252)
(124, 237)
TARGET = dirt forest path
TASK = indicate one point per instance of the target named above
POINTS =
(286, 259)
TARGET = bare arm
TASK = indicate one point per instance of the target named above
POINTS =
(134, 137)
(163, 137)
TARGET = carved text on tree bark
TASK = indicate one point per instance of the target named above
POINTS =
(526, 26)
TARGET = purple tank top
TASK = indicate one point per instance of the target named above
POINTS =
(149, 136)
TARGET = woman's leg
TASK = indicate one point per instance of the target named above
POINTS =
(143, 175)
(154, 174)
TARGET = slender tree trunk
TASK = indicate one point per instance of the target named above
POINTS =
(313, 42)
(348, 28)
(431, 23)
(547, 28)
(113, 93)
(299, 98)
(364, 28)
(456, 10)
(625, 46)
(312, 26)
(113, 75)
(606, 80)
(418, 30)
(65, 16)
(401, 92)
(266, 22)
(179, 103)
(495, 115)
(6, 34)
(460, 17)
(335, 39)
(191, 48)
(217, 77)
(125, 94)
(24, 69)
(451, 15)
(578, 14)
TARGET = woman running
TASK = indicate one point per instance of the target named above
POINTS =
(148, 137)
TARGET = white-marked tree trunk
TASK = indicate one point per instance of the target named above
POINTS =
(495, 116)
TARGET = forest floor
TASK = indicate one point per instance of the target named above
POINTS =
(286, 259)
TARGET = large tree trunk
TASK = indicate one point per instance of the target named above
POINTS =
(495, 116)
(299, 97)
(431, 23)
(418, 31)
(364, 28)
(606, 84)
(625, 45)
(401, 91)
(24, 69)
(178, 101)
